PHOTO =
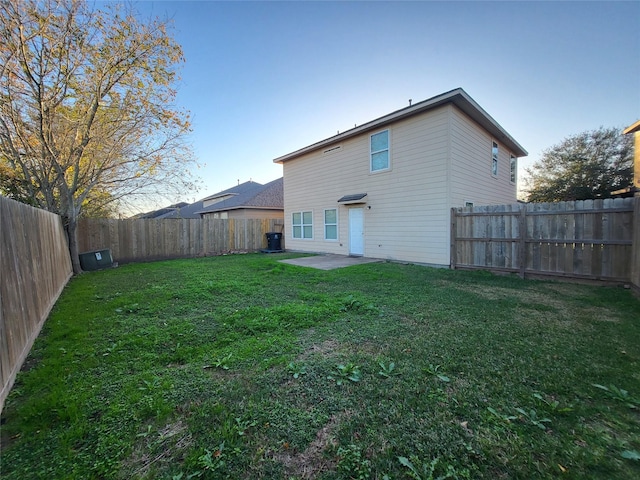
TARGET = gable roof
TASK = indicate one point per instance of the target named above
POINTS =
(458, 97)
(266, 197)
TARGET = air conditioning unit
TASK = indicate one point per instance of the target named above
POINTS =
(96, 260)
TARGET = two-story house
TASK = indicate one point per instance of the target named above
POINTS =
(385, 189)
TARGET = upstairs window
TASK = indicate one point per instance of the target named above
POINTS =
(380, 151)
(331, 224)
(494, 159)
(514, 169)
(302, 223)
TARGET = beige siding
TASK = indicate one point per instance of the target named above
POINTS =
(406, 214)
(471, 176)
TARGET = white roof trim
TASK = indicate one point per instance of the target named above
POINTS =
(458, 97)
(632, 128)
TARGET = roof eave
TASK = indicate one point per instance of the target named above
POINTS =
(458, 97)
(632, 128)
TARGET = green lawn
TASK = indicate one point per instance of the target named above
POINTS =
(241, 367)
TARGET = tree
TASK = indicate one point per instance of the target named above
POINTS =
(86, 109)
(588, 165)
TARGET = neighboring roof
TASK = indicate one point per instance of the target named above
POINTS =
(187, 211)
(160, 213)
(240, 189)
(633, 128)
(265, 197)
(236, 195)
(458, 97)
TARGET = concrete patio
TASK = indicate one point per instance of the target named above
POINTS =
(329, 261)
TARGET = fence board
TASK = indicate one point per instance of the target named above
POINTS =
(635, 253)
(593, 239)
(155, 239)
(35, 266)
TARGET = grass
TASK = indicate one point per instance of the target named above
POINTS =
(243, 367)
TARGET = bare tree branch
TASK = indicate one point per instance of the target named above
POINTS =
(86, 108)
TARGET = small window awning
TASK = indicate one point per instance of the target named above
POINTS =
(353, 198)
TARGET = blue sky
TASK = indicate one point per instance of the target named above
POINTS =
(262, 79)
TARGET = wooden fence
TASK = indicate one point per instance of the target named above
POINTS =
(35, 267)
(589, 239)
(635, 254)
(153, 239)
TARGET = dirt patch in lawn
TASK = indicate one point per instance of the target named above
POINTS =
(325, 348)
(172, 438)
(312, 462)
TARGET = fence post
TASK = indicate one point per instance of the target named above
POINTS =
(452, 247)
(635, 246)
(522, 241)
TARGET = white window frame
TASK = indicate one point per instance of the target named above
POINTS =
(372, 152)
(495, 156)
(513, 168)
(330, 224)
(301, 225)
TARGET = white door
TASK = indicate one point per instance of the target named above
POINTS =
(356, 231)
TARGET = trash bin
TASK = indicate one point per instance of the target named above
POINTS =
(274, 240)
